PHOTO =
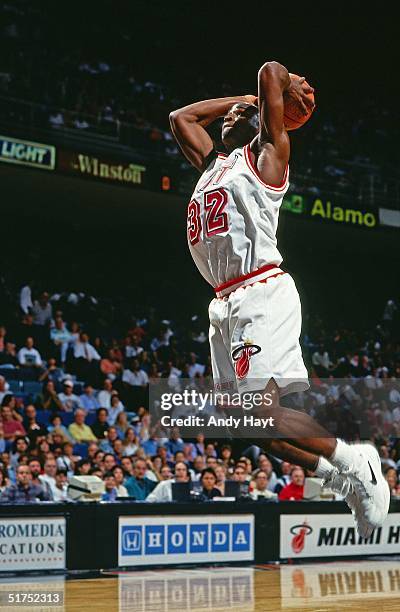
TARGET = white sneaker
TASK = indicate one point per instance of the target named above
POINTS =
(341, 484)
(364, 488)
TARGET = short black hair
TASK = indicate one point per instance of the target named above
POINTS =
(208, 470)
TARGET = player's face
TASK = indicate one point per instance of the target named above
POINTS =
(239, 126)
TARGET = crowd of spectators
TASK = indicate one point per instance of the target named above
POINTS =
(74, 401)
(351, 149)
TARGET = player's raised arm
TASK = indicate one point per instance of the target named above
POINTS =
(189, 122)
(274, 83)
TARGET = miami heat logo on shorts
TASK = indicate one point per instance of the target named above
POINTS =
(241, 356)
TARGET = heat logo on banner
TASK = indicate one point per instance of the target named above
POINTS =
(299, 535)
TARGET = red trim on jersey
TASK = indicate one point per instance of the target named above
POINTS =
(244, 277)
(254, 169)
(222, 155)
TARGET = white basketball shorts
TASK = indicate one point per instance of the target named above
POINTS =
(254, 336)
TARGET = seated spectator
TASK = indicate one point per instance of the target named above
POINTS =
(163, 490)
(119, 476)
(284, 479)
(165, 473)
(11, 422)
(49, 400)
(69, 401)
(100, 426)
(61, 338)
(118, 449)
(122, 424)
(175, 442)
(393, 481)
(52, 372)
(104, 396)
(8, 357)
(106, 444)
(83, 467)
(23, 491)
(79, 431)
(138, 485)
(19, 447)
(294, 491)
(86, 362)
(240, 474)
(60, 491)
(2, 440)
(110, 366)
(49, 474)
(4, 388)
(111, 492)
(4, 480)
(29, 358)
(208, 481)
(56, 426)
(67, 460)
(199, 444)
(88, 399)
(135, 381)
(263, 463)
(195, 369)
(32, 427)
(198, 465)
(127, 466)
(115, 408)
(211, 462)
(109, 462)
(260, 486)
(130, 442)
(220, 472)
(42, 310)
(226, 455)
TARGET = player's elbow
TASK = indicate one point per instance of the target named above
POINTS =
(173, 116)
(270, 68)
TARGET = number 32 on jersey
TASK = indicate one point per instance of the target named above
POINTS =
(215, 218)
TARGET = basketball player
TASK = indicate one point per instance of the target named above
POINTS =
(255, 318)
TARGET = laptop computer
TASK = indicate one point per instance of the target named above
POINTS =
(181, 491)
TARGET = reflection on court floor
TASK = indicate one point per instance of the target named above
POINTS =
(46, 589)
(212, 589)
(308, 586)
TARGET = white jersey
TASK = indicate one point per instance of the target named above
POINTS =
(232, 219)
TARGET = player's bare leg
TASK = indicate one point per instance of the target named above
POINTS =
(354, 470)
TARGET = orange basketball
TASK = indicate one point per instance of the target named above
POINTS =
(293, 115)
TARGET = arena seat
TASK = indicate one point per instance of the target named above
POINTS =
(43, 417)
(80, 449)
(14, 386)
(32, 387)
(9, 373)
(67, 418)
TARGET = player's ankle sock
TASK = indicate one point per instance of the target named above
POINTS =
(324, 468)
(343, 457)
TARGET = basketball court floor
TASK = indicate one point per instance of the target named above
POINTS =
(318, 587)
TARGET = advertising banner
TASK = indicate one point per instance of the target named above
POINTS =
(101, 168)
(185, 539)
(26, 153)
(32, 543)
(330, 535)
(325, 210)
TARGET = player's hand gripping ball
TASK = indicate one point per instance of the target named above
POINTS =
(299, 103)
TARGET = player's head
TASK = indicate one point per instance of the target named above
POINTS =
(241, 124)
